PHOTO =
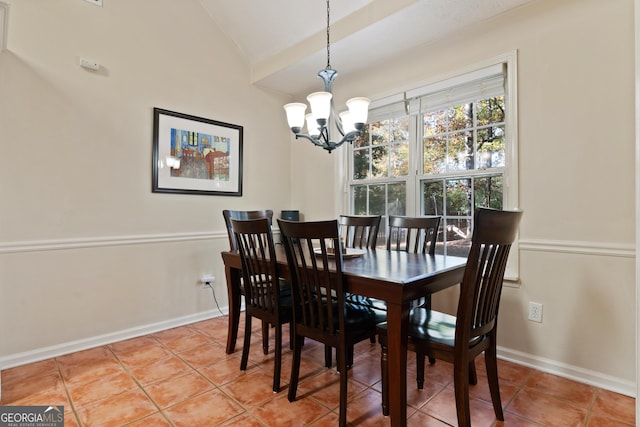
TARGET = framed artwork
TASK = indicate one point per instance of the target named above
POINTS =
(194, 155)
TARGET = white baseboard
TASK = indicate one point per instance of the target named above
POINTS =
(586, 376)
(571, 372)
(84, 344)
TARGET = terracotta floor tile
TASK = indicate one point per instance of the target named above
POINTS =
(443, 407)
(225, 371)
(174, 333)
(578, 394)
(546, 410)
(423, 420)
(93, 355)
(160, 370)
(208, 409)
(85, 393)
(118, 410)
(511, 420)
(615, 406)
(144, 355)
(133, 344)
(87, 372)
(204, 355)
(252, 389)
(280, 412)
(366, 410)
(155, 420)
(45, 390)
(367, 370)
(597, 419)
(32, 370)
(177, 389)
(185, 343)
(481, 390)
(244, 420)
(325, 388)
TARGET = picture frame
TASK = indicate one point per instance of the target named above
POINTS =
(195, 155)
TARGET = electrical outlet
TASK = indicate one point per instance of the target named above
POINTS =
(207, 280)
(535, 312)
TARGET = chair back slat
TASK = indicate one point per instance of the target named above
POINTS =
(232, 214)
(413, 234)
(259, 267)
(359, 231)
(481, 287)
(316, 276)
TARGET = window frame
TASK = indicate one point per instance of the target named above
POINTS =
(416, 176)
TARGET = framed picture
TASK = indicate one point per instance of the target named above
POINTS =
(194, 155)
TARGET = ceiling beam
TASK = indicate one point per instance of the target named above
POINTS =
(373, 12)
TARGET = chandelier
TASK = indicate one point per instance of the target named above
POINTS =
(349, 123)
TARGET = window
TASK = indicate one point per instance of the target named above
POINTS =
(442, 149)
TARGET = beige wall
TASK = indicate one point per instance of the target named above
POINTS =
(86, 249)
(576, 173)
(87, 252)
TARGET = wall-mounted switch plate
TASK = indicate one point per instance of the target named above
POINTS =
(89, 64)
(96, 2)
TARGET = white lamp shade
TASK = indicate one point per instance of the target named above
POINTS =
(347, 122)
(359, 109)
(312, 125)
(295, 114)
(320, 104)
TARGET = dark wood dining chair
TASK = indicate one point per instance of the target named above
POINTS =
(359, 231)
(460, 339)
(263, 299)
(321, 312)
(233, 246)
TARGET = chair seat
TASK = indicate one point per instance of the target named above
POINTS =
(378, 307)
(430, 325)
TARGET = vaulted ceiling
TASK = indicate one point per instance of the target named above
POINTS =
(284, 41)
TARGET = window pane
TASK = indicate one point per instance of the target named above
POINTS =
(360, 200)
(432, 196)
(460, 151)
(491, 147)
(435, 153)
(400, 159)
(488, 192)
(380, 132)
(458, 235)
(380, 167)
(361, 161)
(460, 117)
(377, 199)
(400, 129)
(363, 140)
(435, 123)
(490, 111)
(397, 202)
(458, 197)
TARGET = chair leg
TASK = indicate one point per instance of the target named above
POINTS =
(295, 368)
(491, 363)
(342, 356)
(384, 369)
(461, 390)
(278, 360)
(265, 337)
(420, 370)
(328, 356)
(247, 343)
(473, 377)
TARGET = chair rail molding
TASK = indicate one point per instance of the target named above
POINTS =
(4, 25)
(97, 242)
(615, 249)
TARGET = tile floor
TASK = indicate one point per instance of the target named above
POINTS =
(182, 377)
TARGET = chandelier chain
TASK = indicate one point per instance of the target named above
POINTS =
(328, 43)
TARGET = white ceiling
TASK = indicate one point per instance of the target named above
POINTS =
(284, 41)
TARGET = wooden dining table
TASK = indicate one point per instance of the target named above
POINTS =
(396, 277)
